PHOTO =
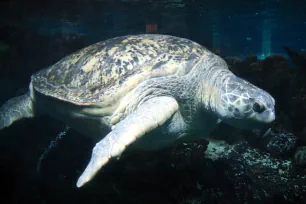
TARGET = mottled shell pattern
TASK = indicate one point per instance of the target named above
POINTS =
(104, 70)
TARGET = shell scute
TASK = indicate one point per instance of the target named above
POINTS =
(96, 72)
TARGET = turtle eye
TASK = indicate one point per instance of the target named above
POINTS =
(258, 107)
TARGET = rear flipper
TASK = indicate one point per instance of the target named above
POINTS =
(15, 109)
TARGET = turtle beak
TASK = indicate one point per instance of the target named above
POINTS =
(267, 117)
(271, 117)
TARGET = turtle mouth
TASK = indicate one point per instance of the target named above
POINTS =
(267, 117)
(272, 117)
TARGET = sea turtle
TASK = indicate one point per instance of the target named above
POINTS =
(145, 92)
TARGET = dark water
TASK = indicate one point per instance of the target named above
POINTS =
(249, 35)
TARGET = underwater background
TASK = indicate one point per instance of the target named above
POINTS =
(263, 41)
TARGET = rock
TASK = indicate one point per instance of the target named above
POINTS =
(300, 156)
(298, 58)
(278, 144)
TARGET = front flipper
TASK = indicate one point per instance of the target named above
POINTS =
(146, 118)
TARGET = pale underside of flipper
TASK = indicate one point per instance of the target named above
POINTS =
(15, 109)
(147, 117)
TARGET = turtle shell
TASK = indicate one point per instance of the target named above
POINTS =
(113, 67)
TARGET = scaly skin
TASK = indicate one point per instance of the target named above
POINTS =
(15, 109)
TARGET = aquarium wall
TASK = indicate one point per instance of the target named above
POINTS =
(52, 29)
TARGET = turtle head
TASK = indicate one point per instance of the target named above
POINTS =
(244, 105)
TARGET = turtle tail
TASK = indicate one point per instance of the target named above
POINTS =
(15, 109)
